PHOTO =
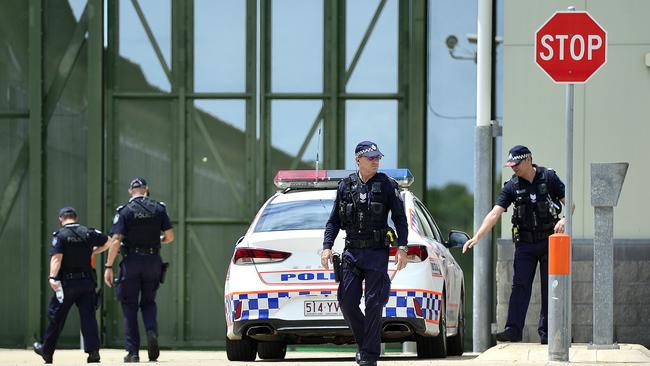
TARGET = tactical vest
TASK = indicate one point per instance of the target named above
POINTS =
(363, 209)
(143, 230)
(77, 249)
(538, 216)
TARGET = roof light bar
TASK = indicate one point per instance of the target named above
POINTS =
(324, 179)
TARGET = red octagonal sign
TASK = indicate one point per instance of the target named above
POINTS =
(570, 47)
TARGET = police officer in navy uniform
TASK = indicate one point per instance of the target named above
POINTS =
(536, 193)
(363, 201)
(70, 270)
(138, 226)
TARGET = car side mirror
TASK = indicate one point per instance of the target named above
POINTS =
(239, 241)
(457, 239)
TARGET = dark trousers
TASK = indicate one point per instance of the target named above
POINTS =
(139, 280)
(371, 265)
(527, 255)
(82, 293)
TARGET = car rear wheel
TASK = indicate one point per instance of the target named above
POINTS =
(272, 350)
(435, 347)
(241, 350)
(456, 344)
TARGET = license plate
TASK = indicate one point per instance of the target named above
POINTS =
(322, 308)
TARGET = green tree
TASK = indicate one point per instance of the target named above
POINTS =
(452, 207)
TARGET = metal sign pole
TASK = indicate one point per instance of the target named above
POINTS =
(568, 203)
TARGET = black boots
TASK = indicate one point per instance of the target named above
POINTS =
(93, 356)
(152, 345)
(38, 348)
(131, 357)
(509, 335)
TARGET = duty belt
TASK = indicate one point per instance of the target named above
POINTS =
(534, 236)
(142, 250)
(76, 276)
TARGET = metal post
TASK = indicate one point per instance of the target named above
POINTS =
(483, 277)
(568, 202)
(559, 272)
(606, 183)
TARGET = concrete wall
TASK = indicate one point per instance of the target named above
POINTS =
(631, 291)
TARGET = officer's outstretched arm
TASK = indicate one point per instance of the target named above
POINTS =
(167, 236)
(488, 223)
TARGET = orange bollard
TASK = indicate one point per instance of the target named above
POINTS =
(559, 254)
(559, 287)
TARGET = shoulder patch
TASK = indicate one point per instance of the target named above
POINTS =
(116, 218)
(54, 241)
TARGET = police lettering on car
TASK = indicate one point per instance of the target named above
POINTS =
(536, 193)
(138, 225)
(73, 280)
(361, 208)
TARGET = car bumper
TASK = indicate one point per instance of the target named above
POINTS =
(323, 331)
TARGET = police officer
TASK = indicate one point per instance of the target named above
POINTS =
(138, 226)
(70, 271)
(361, 208)
(536, 193)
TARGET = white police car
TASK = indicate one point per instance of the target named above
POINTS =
(277, 293)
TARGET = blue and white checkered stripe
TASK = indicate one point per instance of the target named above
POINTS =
(400, 305)
(263, 305)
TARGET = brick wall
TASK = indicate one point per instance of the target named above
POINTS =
(631, 291)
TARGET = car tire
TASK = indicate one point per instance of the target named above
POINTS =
(456, 344)
(241, 350)
(435, 347)
(271, 350)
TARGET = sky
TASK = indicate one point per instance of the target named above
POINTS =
(297, 62)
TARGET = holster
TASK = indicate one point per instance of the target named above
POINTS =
(336, 263)
(163, 272)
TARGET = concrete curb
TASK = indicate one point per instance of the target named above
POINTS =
(578, 353)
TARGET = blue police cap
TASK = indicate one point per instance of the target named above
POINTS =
(517, 154)
(368, 149)
(138, 183)
(68, 210)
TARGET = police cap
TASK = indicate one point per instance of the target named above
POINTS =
(138, 183)
(368, 149)
(517, 154)
(68, 210)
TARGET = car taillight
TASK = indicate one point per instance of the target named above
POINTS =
(416, 253)
(257, 256)
(418, 307)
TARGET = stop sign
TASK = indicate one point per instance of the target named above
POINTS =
(570, 47)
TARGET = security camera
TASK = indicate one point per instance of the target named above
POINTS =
(451, 42)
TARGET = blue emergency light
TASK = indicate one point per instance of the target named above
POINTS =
(324, 179)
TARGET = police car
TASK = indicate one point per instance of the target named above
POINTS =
(277, 293)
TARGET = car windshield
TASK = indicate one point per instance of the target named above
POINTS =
(295, 215)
